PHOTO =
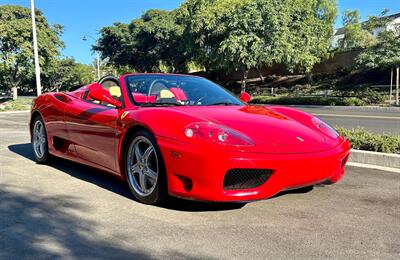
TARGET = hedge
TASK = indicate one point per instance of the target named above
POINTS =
(323, 101)
(362, 139)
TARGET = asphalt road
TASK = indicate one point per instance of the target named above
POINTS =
(70, 211)
(374, 119)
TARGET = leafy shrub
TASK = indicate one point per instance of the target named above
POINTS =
(281, 90)
(351, 101)
(370, 96)
(22, 103)
(323, 101)
(299, 90)
(363, 92)
(366, 140)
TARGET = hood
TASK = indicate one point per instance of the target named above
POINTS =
(272, 131)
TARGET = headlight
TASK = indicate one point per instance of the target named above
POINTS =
(217, 134)
(325, 128)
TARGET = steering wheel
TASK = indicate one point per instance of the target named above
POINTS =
(198, 101)
(197, 92)
(210, 99)
(161, 81)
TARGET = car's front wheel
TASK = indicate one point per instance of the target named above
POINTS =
(39, 140)
(145, 168)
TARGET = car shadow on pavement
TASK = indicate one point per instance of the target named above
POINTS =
(37, 226)
(116, 185)
(302, 190)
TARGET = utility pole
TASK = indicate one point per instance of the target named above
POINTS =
(397, 86)
(35, 50)
(98, 64)
(97, 55)
(391, 86)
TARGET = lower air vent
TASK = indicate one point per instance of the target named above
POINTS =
(240, 179)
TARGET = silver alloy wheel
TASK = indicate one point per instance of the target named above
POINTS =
(142, 166)
(39, 139)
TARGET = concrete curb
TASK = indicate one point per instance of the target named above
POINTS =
(373, 158)
(376, 167)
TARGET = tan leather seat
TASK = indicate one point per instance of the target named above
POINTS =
(165, 93)
(115, 92)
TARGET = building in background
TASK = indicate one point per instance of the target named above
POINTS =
(393, 21)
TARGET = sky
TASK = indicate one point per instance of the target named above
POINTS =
(87, 17)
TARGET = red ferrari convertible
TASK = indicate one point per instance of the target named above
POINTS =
(187, 137)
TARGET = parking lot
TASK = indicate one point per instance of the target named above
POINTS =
(68, 210)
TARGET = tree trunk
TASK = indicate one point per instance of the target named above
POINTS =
(14, 92)
(397, 86)
(310, 78)
(14, 82)
(391, 86)
(208, 71)
(260, 74)
(244, 81)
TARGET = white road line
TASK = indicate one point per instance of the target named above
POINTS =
(359, 116)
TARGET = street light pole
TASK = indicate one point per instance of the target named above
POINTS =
(97, 55)
(98, 64)
(35, 50)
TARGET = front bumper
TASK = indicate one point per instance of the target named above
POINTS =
(197, 173)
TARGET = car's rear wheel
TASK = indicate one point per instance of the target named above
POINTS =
(145, 169)
(39, 140)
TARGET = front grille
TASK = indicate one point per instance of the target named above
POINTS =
(239, 179)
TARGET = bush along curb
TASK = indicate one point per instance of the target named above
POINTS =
(389, 160)
(309, 100)
(365, 140)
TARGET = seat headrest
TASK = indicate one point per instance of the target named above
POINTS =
(115, 91)
(165, 93)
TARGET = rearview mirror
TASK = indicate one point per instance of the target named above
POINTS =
(97, 92)
(245, 97)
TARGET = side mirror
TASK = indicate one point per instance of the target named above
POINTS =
(97, 92)
(245, 97)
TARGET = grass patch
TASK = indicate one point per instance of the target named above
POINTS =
(323, 101)
(362, 139)
(22, 103)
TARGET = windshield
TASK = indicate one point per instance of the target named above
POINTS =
(175, 90)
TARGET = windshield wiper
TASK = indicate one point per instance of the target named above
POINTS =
(223, 104)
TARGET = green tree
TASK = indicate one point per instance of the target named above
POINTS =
(150, 43)
(355, 36)
(240, 35)
(307, 37)
(65, 73)
(16, 48)
(206, 28)
(385, 53)
(57, 73)
(378, 21)
(159, 38)
(81, 74)
(116, 44)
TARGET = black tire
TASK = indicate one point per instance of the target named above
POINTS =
(158, 193)
(42, 155)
